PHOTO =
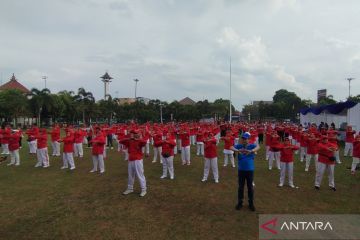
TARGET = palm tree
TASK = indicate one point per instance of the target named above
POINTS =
(41, 102)
(85, 102)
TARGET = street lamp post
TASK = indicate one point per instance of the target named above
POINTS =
(136, 82)
(161, 115)
(230, 112)
(350, 79)
(44, 78)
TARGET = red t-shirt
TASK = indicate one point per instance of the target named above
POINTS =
(210, 148)
(134, 147)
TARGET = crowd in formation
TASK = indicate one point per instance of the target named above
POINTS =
(316, 145)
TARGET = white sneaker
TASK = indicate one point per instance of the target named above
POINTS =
(204, 180)
(101, 172)
(38, 165)
(72, 168)
(172, 178)
(270, 168)
(143, 193)
(9, 164)
(292, 186)
(162, 177)
(154, 161)
(188, 164)
(216, 181)
(280, 185)
(224, 165)
(17, 164)
(63, 167)
(233, 166)
(128, 191)
(306, 169)
(92, 171)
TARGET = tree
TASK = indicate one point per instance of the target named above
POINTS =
(85, 102)
(13, 104)
(327, 100)
(41, 103)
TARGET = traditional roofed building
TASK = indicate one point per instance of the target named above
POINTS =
(14, 84)
(187, 101)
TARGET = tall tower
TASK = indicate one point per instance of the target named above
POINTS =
(106, 79)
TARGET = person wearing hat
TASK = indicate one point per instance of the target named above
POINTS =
(42, 150)
(167, 154)
(210, 155)
(98, 145)
(326, 161)
(287, 162)
(134, 145)
(356, 154)
(246, 167)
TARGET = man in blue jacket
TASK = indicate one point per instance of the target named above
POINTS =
(246, 154)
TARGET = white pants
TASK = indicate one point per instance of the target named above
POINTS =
(289, 166)
(228, 154)
(211, 163)
(168, 165)
(236, 141)
(348, 149)
(55, 148)
(146, 148)
(5, 148)
(185, 155)
(200, 148)
(126, 152)
(32, 146)
(78, 150)
(302, 153)
(157, 152)
(267, 148)
(42, 157)
(14, 156)
(98, 160)
(308, 160)
(136, 168)
(355, 162)
(320, 172)
(274, 156)
(192, 140)
(337, 156)
(68, 159)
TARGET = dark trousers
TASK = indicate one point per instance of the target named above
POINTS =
(247, 176)
(261, 138)
(109, 140)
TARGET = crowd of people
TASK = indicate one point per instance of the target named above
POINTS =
(315, 145)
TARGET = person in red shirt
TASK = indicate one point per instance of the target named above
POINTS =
(228, 144)
(98, 144)
(31, 139)
(268, 134)
(356, 154)
(14, 147)
(311, 151)
(78, 142)
(287, 162)
(157, 138)
(349, 139)
(42, 150)
(303, 145)
(185, 147)
(210, 155)
(5, 140)
(167, 153)
(55, 144)
(326, 162)
(134, 145)
(274, 150)
(200, 143)
(68, 150)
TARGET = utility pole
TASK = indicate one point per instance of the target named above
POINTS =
(44, 78)
(230, 113)
(136, 82)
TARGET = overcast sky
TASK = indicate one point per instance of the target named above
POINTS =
(179, 48)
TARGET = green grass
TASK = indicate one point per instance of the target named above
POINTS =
(57, 204)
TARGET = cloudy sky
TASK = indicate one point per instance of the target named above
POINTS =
(179, 48)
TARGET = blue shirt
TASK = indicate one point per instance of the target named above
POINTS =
(246, 161)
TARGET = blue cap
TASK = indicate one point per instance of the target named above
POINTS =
(246, 135)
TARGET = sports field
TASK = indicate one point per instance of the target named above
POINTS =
(59, 204)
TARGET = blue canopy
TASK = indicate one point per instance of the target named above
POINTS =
(331, 108)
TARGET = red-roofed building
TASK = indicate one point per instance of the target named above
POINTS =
(14, 84)
(187, 101)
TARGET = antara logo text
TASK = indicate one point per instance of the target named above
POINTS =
(305, 226)
(270, 226)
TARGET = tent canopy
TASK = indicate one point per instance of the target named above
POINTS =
(331, 108)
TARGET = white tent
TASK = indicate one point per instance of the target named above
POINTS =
(347, 112)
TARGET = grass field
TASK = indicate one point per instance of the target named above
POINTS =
(59, 204)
